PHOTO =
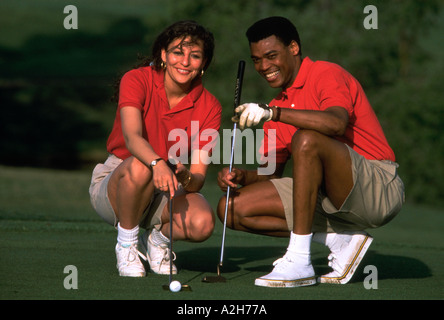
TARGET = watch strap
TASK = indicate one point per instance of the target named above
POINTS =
(155, 160)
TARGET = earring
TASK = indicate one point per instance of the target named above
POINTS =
(202, 72)
(163, 65)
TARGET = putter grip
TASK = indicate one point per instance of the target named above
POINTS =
(239, 80)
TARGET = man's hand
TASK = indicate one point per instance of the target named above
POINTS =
(250, 114)
(226, 178)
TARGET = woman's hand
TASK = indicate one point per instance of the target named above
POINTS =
(164, 179)
(183, 175)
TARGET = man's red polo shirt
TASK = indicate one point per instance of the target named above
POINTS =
(318, 86)
(143, 88)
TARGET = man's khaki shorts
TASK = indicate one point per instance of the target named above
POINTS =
(376, 197)
(98, 191)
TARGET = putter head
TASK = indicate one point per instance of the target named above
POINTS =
(215, 279)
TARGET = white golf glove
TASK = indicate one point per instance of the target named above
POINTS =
(250, 114)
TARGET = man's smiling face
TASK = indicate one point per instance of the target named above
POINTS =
(276, 62)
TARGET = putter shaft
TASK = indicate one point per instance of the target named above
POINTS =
(237, 95)
(170, 204)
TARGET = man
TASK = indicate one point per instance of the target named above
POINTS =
(344, 176)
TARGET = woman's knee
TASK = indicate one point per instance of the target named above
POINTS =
(201, 221)
(202, 226)
(136, 172)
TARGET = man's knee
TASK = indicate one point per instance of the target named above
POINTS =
(222, 209)
(231, 212)
(305, 142)
(237, 211)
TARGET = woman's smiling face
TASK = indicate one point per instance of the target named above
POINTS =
(184, 60)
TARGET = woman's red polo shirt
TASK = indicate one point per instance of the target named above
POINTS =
(143, 88)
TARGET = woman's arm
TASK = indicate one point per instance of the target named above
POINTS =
(140, 148)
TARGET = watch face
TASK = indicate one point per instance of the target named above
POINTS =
(155, 161)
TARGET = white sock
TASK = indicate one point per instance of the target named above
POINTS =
(334, 241)
(299, 247)
(127, 236)
(158, 238)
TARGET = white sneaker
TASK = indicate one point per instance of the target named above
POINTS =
(347, 251)
(288, 273)
(158, 256)
(128, 262)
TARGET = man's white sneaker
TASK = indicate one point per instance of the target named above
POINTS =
(288, 273)
(158, 256)
(128, 262)
(347, 251)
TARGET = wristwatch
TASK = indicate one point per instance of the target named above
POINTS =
(154, 162)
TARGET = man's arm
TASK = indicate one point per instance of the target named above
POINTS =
(332, 121)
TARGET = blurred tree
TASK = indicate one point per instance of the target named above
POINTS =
(55, 94)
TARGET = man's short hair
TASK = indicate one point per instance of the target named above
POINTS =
(280, 27)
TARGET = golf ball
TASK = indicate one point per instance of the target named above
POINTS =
(175, 286)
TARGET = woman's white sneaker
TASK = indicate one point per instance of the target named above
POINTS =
(158, 256)
(128, 262)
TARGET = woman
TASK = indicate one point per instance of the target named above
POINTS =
(132, 187)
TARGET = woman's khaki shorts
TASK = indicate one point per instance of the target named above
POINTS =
(98, 191)
(376, 197)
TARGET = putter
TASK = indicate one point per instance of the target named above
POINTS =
(185, 287)
(237, 95)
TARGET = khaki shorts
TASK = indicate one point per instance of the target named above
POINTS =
(98, 191)
(376, 197)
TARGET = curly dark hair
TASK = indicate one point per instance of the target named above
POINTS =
(178, 30)
(280, 27)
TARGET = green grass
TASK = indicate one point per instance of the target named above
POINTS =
(46, 223)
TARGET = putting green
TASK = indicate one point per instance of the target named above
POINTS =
(46, 224)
